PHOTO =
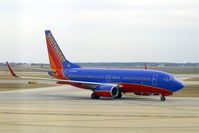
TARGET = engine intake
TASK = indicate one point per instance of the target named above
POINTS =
(107, 91)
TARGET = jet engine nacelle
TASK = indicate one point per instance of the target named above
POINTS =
(107, 91)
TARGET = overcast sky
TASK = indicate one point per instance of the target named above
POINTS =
(101, 30)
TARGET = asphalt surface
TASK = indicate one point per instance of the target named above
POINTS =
(69, 109)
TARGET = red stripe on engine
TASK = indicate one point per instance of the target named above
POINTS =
(103, 93)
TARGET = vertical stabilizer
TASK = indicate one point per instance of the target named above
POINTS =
(56, 57)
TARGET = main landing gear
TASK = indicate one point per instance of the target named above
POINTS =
(162, 98)
(94, 96)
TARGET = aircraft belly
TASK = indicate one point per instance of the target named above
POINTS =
(130, 87)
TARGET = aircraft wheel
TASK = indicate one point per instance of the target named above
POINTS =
(94, 96)
(119, 95)
(162, 98)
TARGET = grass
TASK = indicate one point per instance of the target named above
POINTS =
(192, 79)
(7, 75)
(20, 86)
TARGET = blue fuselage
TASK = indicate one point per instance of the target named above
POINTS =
(152, 78)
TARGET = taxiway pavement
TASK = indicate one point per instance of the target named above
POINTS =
(68, 109)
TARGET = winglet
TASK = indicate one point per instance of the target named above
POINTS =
(10, 69)
(145, 66)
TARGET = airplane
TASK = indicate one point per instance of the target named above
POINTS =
(106, 82)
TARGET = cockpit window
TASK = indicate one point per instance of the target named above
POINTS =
(168, 78)
(172, 78)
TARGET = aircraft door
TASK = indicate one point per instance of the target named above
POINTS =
(108, 78)
(155, 79)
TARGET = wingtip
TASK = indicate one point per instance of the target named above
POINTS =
(11, 70)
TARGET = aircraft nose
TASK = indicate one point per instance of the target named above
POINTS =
(179, 85)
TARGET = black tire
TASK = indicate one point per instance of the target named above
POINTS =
(162, 98)
(119, 95)
(94, 96)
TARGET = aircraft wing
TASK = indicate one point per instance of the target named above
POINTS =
(91, 85)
